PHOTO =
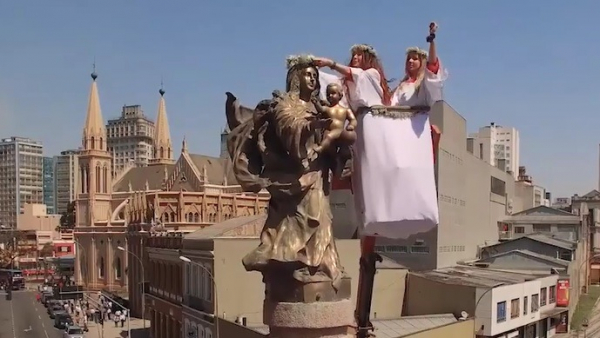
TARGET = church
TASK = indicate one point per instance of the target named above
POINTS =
(184, 194)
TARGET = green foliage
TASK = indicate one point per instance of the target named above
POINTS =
(67, 219)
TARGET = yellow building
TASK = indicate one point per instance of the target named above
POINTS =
(189, 193)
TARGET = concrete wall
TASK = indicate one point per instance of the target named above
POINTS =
(423, 297)
(231, 329)
(467, 203)
(245, 298)
(458, 329)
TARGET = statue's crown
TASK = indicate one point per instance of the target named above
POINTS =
(300, 60)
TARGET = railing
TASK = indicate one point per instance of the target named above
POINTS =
(505, 235)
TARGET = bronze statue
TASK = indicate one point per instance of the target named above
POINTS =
(270, 147)
(337, 131)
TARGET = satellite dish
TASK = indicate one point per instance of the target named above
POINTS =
(464, 315)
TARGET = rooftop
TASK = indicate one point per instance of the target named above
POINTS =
(476, 277)
(558, 261)
(401, 327)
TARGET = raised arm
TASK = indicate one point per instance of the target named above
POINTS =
(433, 63)
(325, 62)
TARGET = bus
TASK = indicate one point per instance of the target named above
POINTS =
(18, 281)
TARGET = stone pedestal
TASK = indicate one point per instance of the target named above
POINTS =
(308, 310)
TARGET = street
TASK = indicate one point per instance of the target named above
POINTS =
(24, 317)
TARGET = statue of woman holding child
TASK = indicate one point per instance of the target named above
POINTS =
(271, 149)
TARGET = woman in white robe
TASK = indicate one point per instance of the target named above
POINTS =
(393, 175)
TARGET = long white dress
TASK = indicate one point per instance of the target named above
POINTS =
(393, 180)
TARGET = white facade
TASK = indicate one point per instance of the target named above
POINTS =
(506, 308)
(21, 177)
(498, 146)
(130, 138)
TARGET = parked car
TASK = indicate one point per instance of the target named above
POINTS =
(62, 320)
(73, 331)
(56, 311)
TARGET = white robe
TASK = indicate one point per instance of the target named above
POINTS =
(393, 180)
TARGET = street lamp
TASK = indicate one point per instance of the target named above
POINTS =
(143, 285)
(216, 293)
(477, 304)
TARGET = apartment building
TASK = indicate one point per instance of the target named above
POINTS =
(66, 176)
(48, 164)
(498, 146)
(130, 138)
(504, 304)
(21, 177)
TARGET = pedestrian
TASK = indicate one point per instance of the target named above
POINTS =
(122, 319)
(116, 320)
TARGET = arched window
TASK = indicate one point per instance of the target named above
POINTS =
(101, 267)
(118, 269)
(165, 217)
(93, 145)
(173, 217)
(98, 186)
(196, 217)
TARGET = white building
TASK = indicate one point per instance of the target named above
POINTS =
(504, 304)
(498, 146)
(21, 177)
(130, 138)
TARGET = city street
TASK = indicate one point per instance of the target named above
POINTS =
(24, 317)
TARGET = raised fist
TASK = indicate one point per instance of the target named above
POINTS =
(432, 29)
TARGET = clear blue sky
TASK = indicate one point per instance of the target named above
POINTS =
(528, 64)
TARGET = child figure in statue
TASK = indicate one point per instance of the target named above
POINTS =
(339, 115)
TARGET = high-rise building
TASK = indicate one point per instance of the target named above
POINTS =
(130, 138)
(224, 151)
(48, 171)
(498, 146)
(66, 176)
(21, 177)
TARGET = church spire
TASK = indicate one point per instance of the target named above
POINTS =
(94, 130)
(163, 149)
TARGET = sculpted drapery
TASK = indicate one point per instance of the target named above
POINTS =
(269, 150)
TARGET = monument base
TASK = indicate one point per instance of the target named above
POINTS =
(310, 320)
(309, 310)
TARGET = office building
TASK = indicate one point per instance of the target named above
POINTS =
(130, 139)
(66, 174)
(21, 177)
(498, 146)
(48, 170)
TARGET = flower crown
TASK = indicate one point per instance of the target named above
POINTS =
(421, 52)
(299, 60)
(364, 48)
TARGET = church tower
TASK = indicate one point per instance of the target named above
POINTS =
(95, 179)
(163, 148)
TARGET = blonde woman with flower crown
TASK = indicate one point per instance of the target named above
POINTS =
(393, 172)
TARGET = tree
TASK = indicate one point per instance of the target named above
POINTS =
(67, 219)
(9, 246)
(47, 250)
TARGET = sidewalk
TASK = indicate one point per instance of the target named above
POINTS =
(593, 329)
(108, 330)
